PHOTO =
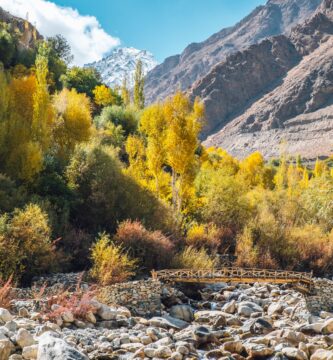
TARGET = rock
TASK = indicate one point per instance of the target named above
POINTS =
(261, 326)
(182, 312)
(293, 353)
(30, 352)
(24, 312)
(163, 352)
(51, 347)
(233, 347)
(176, 356)
(68, 317)
(6, 347)
(230, 307)
(274, 308)
(327, 327)
(202, 335)
(91, 317)
(258, 350)
(11, 325)
(106, 313)
(24, 338)
(219, 323)
(149, 352)
(5, 316)
(168, 322)
(246, 308)
(322, 354)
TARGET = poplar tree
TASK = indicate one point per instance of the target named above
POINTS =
(125, 93)
(139, 82)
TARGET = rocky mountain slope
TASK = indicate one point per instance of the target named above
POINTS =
(279, 91)
(121, 63)
(181, 71)
(28, 34)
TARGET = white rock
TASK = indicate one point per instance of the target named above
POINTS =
(51, 347)
(163, 352)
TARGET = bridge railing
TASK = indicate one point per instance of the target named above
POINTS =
(232, 273)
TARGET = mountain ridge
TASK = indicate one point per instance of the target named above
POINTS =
(296, 111)
(121, 63)
(197, 59)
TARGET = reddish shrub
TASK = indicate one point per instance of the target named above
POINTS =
(5, 293)
(152, 248)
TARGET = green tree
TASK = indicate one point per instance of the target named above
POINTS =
(84, 80)
(139, 82)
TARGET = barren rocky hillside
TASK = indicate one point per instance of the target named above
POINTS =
(279, 91)
(181, 71)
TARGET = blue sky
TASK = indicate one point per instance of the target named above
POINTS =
(164, 27)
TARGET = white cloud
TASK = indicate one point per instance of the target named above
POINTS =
(87, 38)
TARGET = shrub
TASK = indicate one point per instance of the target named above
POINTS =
(127, 117)
(5, 293)
(111, 264)
(25, 245)
(105, 196)
(203, 235)
(191, 258)
(153, 249)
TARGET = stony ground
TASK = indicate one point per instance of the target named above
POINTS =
(229, 322)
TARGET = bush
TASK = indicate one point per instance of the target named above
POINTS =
(127, 117)
(191, 258)
(208, 236)
(110, 262)
(105, 196)
(152, 249)
(25, 245)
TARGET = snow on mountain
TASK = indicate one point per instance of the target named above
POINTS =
(121, 63)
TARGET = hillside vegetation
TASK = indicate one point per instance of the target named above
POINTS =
(90, 178)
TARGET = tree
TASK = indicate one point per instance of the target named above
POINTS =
(84, 80)
(59, 47)
(74, 121)
(139, 82)
(125, 93)
(104, 96)
(43, 115)
(8, 43)
(181, 142)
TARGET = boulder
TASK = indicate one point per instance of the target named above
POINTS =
(6, 347)
(182, 312)
(230, 307)
(168, 322)
(258, 350)
(24, 338)
(30, 352)
(295, 354)
(51, 347)
(275, 308)
(322, 354)
(247, 308)
(5, 316)
(163, 352)
(327, 327)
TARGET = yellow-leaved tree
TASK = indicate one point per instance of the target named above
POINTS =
(73, 121)
(184, 121)
(103, 95)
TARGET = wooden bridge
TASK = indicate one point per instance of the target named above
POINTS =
(301, 280)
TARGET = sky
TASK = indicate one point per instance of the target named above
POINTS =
(163, 27)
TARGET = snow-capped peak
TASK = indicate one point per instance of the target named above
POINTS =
(121, 63)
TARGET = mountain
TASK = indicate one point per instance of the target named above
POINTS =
(121, 63)
(277, 92)
(181, 71)
(26, 32)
